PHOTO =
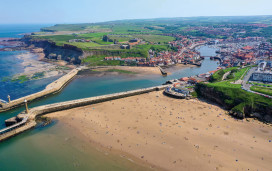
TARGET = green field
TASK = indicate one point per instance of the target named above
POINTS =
(96, 39)
(236, 74)
(218, 75)
(121, 38)
(155, 38)
(261, 84)
(263, 90)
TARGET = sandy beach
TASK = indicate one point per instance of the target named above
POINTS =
(172, 134)
(146, 70)
(176, 67)
(137, 70)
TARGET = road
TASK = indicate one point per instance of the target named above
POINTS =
(246, 86)
(246, 78)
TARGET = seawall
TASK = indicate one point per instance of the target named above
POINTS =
(42, 110)
(54, 87)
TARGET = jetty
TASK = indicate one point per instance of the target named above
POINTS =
(163, 72)
(29, 116)
(52, 88)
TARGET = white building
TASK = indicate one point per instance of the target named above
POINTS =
(265, 76)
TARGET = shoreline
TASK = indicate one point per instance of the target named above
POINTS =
(176, 135)
(143, 71)
(33, 66)
(49, 89)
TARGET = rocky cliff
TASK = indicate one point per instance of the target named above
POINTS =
(69, 53)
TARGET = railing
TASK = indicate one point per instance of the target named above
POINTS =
(41, 110)
(257, 93)
(10, 128)
(51, 88)
(3, 101)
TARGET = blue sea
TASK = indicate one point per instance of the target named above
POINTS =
(10, 64)
(17, 30)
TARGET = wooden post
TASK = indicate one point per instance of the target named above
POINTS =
(26, 107)
(9, 98)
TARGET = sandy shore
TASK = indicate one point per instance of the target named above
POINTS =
(138, 70)
(147, 70)
(178, 67)
(173, 134)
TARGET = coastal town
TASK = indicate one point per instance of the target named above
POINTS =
(138, 88)
(239, 51)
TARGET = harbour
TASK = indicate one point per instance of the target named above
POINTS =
(80, 87)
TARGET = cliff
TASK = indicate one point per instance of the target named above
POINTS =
(240, 103)
(73, 54)
(98, 52)
(66, 52)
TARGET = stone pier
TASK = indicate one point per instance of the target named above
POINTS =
(29, 119)
(54, 87)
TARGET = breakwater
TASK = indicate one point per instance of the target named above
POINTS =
(50, 89)
(29, 119)
(163, 72)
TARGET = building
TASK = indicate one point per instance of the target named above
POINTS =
(264, 76)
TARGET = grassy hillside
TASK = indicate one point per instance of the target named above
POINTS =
(232, 95)
(263, 90)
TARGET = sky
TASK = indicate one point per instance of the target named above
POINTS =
(90, 11)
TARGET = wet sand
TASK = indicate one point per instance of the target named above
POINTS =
(173, 134)
(147, 70)
(177, 67)
(137, 70)
(32, 66)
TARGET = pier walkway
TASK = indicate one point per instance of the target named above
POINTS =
(29, 119)
(162, 71)
(50, 89)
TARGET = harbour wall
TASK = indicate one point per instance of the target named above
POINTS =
(29, 119)
(54, 87)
